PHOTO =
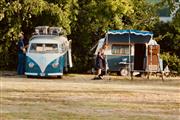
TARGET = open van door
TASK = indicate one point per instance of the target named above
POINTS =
(69, 54)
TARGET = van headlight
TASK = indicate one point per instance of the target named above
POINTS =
(55, 65)
(31, 64)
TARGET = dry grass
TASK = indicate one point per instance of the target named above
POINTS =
(77, 97)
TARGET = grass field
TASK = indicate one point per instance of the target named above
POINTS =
(77, 97)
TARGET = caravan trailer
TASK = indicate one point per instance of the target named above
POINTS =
(131, 51)
(49, 53)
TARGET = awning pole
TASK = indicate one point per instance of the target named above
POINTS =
(130, 54)
(106, 40)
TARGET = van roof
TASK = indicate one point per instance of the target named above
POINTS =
(47, 39)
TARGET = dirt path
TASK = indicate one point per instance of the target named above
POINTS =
(78, 97)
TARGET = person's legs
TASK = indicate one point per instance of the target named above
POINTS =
(102, 73)
(24, 63)
(20, 68)
(19, 65)
(99, 74)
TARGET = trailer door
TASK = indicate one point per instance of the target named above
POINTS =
(139, 57)
(153, 58)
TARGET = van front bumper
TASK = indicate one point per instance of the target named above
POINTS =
(32, 74)
(43, 74)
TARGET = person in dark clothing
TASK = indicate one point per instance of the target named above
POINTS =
(100, 62)
(21, 55)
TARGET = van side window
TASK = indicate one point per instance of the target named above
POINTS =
(120, 49)
(61, 48)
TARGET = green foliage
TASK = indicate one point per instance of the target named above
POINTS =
(94, 18)
(24, 15)
(85, 22)
(168, 36)
(172, 61)
(144, 16)
(170, 4)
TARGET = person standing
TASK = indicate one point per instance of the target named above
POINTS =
(21, 55)
(100, 62)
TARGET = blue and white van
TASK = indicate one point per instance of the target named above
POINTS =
(48, 54)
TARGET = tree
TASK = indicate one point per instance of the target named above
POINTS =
(85, 21)
(24, 15)
(168, 36)
(94, 18)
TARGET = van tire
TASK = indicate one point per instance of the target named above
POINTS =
(60, 76)
(30, 76)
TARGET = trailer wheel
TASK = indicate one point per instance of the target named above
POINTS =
(143, 74)
(124, 72)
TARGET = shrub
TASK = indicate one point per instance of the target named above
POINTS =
(173, 61)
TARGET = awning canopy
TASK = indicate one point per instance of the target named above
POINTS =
(133, 36)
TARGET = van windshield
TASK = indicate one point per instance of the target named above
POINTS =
(45, 48)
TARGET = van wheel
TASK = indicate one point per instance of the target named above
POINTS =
(28, 76)
(60, 76)
(124, 72)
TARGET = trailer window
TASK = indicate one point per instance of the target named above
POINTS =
(120, 49)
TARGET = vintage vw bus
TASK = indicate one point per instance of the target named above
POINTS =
(131, 50)
(48, 54)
